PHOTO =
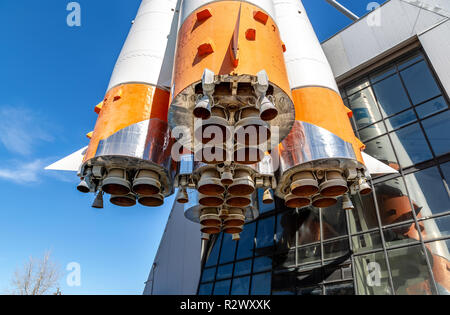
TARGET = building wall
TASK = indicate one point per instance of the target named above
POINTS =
(176, 269)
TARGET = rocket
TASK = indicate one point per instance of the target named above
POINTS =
(219, 99)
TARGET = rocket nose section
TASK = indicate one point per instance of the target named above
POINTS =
(70, 163)
(376, 167)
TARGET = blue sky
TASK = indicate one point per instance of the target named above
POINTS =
(51, 78)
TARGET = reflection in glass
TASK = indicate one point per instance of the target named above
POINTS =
(409, 61)
(438, 132)
(372, 131)
(420, 83)
(285, 231)
(262, 264)
(394, 203)
(283, 282)
(436, 228)
(284, 260)
(224, 271)
(391, 96)
(222, 287)
(382, 150)
(243, 267)
(372, 275)
(205, 289)
(364, 107)
(401, 120)
(346, 288)
(228, 249)
(333, 221)
(365, 242)
(308, 254)
(261, 284)
(245, 244)
(427, 190)
(308, 226)
(338, 248)
(431, 107)
(208, 274)
(265, 235)
(356, 86)
(240, 286)
(364, 216)
(410, 274)
(438, 254)
(214, 255)
(384, 73)
(410, 145)
(401, 235)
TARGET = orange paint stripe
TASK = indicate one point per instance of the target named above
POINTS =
(324, 108)
(125, 106)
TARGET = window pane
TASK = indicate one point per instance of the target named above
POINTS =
(225, 271)
(411, 146)
(435, 228)
(308, 226)
(372, 275)
(243, 267)
(340, 289)
(437, 129)
(285, 231)
(222, 287)
(420, 83)
(240, 286)
(409, 271)
(308, 254)
(446, 170)
(410, 61)
(284, 260)
(365, 242)
(428, 193)
(356, 86)
(364, 107)
(261, 284)
(401, 235)
(379, 75)
(265, 234)
(393, 202)
(382, 150)
(205, 289)
(391, 96)
(334, 223)
(364, 216)
(262, 264)
(439, 257)
(401, 120)
(372, 131)
(431, 107)
(283, 283)
(245, 245)
(310, 291)
(334, 249)
(228, 249)
(214, 255)
(208, 274)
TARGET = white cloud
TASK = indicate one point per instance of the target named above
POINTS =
(23, 173)
(21, 129)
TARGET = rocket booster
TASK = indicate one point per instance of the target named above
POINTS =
(221, 98)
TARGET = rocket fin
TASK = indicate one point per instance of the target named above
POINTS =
(70, 163)
(376, 167)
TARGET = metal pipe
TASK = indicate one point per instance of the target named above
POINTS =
(343, 10)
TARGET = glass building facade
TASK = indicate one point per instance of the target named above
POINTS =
(395, 241)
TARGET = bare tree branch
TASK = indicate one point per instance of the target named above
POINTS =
(38, 277)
